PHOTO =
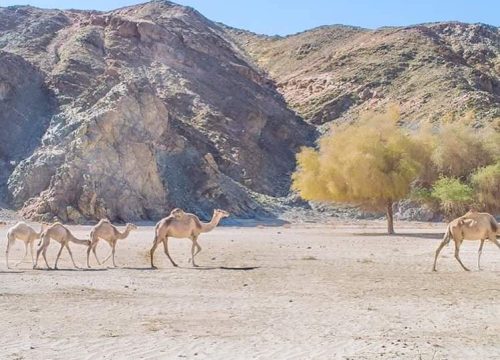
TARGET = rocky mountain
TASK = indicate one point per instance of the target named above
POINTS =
(433, 71)
(130, 113)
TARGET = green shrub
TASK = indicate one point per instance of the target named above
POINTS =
(454, 196)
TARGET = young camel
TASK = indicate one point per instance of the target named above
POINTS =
(471, 226)
(25, 233)
(63, 236)
(109, 233)
(183, 225)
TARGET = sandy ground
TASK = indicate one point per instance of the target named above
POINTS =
(338, 291)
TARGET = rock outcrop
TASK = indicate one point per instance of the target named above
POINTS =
(146, 108)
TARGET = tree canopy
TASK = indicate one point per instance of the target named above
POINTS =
(371, 164)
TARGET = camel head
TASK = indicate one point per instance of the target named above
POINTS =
(221, 213)
(131, 226)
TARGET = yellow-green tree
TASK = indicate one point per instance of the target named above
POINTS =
(461, 150)
(486, 183)
(370, 164)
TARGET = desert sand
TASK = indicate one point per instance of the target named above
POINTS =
(337, 291)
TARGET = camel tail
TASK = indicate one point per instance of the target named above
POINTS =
(447, 235)
(494, 225)
(156, 231)
(42, 235)
(92, 234)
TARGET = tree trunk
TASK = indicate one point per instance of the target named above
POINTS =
(390, 218)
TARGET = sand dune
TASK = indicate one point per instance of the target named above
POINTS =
(340, 291)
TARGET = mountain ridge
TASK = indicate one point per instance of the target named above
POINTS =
(128, 113)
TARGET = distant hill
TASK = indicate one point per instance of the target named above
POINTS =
(332, 72)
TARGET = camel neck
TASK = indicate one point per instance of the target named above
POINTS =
(206, 227)
(124, 234)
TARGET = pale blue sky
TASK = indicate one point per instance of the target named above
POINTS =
(290, 16)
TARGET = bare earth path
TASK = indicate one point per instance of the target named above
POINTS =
(339, 291)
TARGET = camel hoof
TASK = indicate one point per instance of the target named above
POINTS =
(175, 265)
(154, 267)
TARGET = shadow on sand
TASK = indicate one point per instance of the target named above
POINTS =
(414, 235)
(243, 268)
(60, 270)
(149, 268)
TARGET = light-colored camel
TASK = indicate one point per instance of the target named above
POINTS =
(472, 226)
(183, 225)
(63, 236)
(25, 233)
(109, 233)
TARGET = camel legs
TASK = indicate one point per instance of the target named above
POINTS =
(445, 241)
(32, 251)
(165, 247)
(152, 252)
(92, 247)
(10, 242)
(25, 254)
(494, 240)
(58, 255)
(71, 255)
(111, 253)
(479, 252)
(457, 253)
(195, 249)
(42, 249)
(114, 249)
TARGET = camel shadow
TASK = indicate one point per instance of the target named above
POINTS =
(149, 268)
(243, 268)
(412, 235)
(61, 270)
(12, 272)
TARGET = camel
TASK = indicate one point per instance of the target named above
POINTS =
(63, 236)
(183, 225)
(472, 226)
(109, 233)
(25, 233)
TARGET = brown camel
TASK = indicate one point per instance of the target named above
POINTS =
(63, 236)
(471, 226)
(25, 233)
(109, 233)
(183, 225)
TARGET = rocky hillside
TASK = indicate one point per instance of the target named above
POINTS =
(433, 71)
(129, 113)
